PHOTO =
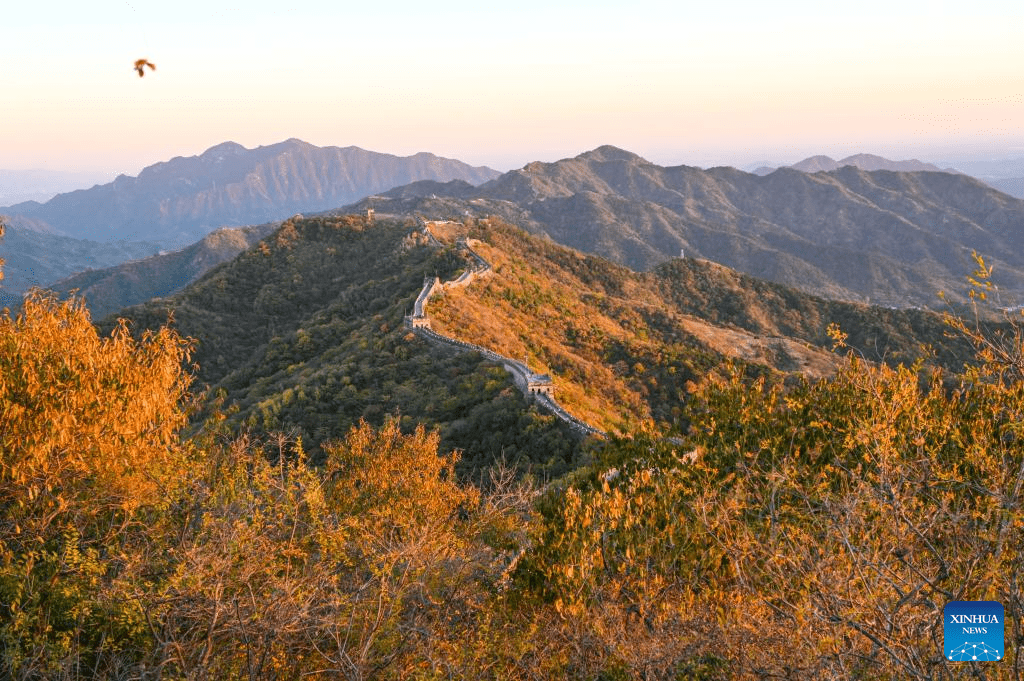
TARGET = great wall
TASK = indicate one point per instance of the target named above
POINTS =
(537, 386)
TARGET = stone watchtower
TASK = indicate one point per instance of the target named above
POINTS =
(540, 384)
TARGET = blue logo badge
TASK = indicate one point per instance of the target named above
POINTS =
(973, 631)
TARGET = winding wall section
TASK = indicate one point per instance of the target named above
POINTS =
(521, 374)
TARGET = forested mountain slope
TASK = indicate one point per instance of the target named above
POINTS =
(110, 289)
(625, 347)
(304, 332)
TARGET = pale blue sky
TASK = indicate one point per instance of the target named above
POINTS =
(506, 84)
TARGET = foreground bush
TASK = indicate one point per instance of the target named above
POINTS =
(818, 532)
(89, 456)
(126, 550)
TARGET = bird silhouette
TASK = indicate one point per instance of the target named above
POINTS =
(142, 63)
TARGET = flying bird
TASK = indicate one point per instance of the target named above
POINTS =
(141, 63)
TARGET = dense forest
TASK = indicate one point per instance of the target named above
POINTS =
(802, 528)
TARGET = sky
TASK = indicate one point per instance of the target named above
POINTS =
(503, 84)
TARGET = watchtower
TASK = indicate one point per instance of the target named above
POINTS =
(419, 322)
(540, 384)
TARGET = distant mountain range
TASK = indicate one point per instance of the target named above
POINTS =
(889, 237)
(37, 258)
(1014, 186)
(986, 169)
(869, 162)
(895, 238)
(180, 201)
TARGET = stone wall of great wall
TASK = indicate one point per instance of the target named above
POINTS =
(533, 385)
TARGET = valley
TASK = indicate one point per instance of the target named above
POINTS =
(109, 289)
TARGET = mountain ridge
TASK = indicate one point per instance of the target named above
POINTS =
(304, 332)
(894, 237)
(307, 332)
(178, 201)
(869, 162)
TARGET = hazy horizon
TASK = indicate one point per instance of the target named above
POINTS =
(938, 156)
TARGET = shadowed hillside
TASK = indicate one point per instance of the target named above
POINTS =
(108, 290)
(37, 258)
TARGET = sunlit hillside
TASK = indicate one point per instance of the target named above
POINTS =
(625, 347)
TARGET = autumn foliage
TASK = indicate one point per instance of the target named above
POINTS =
(126, 547)
(87, 419)
(801, 530)
(89, 449)
(814, 531)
